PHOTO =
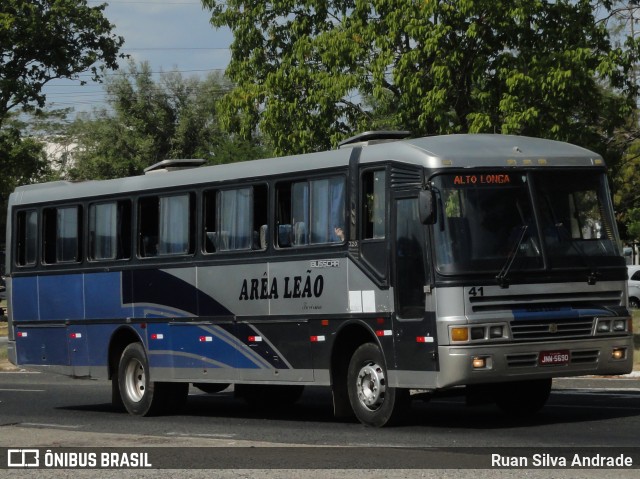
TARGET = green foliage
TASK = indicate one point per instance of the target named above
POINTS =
(23, 160)
(309, 73)
(149, 121)
(41, 40)
(625, 179)
(633, 224)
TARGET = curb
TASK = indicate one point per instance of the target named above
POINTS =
(7, 366)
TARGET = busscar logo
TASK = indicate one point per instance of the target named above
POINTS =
(23, 458)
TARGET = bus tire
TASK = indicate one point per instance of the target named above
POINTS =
(522, 398)
(116, 395)
(138, 392)
(373, 401)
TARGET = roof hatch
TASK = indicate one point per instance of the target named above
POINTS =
(372, 137)
(172, 165)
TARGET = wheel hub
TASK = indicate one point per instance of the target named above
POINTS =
(371, 386)
(135, 380)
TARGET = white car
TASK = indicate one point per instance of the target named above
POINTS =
(634, 286)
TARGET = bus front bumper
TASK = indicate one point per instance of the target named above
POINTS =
(484, 364)
(512, 362)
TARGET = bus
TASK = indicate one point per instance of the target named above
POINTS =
(484, 263)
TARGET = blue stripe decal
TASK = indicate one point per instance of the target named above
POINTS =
(537, 314)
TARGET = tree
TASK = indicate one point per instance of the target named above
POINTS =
(22, 159)
(148, 121)
(528, 67)
(42, 40)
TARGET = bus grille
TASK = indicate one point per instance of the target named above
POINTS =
(551, 330)
(530, 360)
(507, 303)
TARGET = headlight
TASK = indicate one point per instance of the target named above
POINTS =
(478, 334)
(619, 325)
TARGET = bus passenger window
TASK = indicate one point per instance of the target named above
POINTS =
(210, 239)
(27, 238)
(311, 212)
(165, 225)
(148, 226)
(174, 231)
(300, 213)
(110, 231)
(61, 233)
(234, 214)
(236, 219)
(327, 211)
(260, 217)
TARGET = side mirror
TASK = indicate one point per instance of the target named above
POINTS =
(427, 207)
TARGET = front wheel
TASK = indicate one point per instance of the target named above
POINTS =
(374, 402)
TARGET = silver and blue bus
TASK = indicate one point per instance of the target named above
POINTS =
(387, 265)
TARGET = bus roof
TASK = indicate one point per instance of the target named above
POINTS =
(447, 151)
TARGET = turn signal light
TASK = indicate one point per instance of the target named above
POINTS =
(460, 334)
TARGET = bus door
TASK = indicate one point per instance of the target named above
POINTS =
(415, 325)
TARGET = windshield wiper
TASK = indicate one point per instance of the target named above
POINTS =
(502, 277)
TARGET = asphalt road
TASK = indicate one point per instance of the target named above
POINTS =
(42, 410)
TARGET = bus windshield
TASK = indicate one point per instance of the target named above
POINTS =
(523, 221)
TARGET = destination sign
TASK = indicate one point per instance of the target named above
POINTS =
(482, 179)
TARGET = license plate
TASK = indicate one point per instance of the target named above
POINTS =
(553, 358)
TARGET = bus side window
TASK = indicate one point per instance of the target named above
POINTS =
(374, 204)
(327, 210)
(110, 230)
(236, 219)
(260, 217)
(310, 212)
(174, 235)
(27, 238)
(61, 234)
(209, 221)
(165, 225)
(148, 226)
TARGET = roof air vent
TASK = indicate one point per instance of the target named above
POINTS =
(372, 137)
(173, 165)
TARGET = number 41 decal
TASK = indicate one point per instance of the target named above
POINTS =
(476, 291)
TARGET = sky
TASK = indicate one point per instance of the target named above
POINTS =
(170, 35)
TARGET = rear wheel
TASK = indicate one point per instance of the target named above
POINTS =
(522, 398)
(634, 303)
(373, 401)
(141, 396)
